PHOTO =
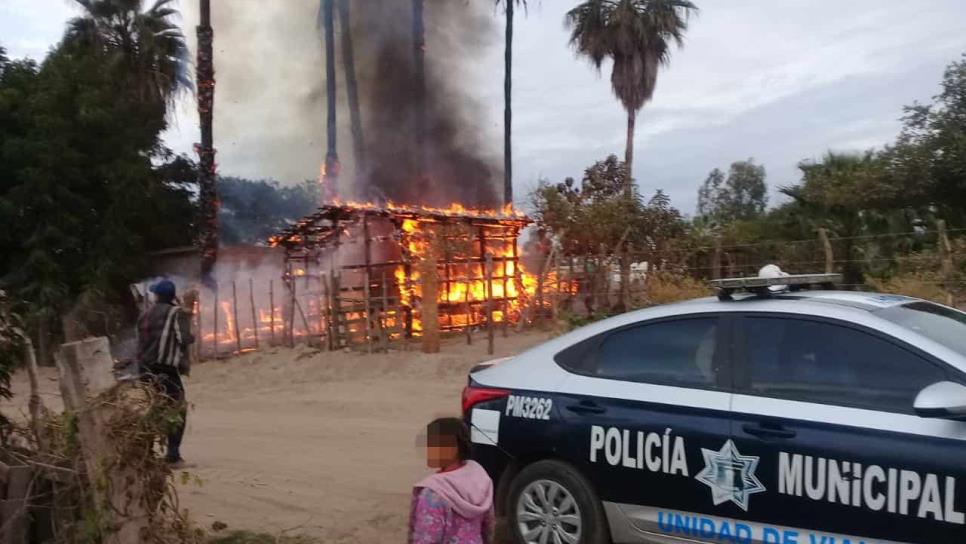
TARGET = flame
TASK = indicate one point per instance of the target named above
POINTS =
(453, 209)
(464, 296)
(463, 299)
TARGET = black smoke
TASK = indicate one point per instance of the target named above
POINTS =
(452, 163)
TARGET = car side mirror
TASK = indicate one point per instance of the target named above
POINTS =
(942, 400)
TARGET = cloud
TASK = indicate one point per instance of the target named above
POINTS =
(30, 27)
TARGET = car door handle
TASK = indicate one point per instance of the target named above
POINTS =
(587, 407)
(759, 430)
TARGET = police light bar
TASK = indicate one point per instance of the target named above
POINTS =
(761, 286)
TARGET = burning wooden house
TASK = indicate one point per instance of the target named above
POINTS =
(369, 272)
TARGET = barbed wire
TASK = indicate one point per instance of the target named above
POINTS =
(921, 233)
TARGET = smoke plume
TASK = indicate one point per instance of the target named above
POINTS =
(448, 166)
(270, 98)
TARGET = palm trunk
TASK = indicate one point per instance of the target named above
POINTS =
(419, 63)
(507, 108)
(207, 188)
(629, 150)
(332, 154)
(352, 88)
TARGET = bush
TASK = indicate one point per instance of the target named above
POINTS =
(917, 285)
(668, 287)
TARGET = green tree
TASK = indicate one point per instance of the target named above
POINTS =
(86, 187)
(637, 36)
(144, 49)
(742, 196)
(927, 164)
(832, 195)
(251, 211)
(11, 351)
(598, 214)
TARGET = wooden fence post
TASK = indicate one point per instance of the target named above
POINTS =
(234, 310)
(271, 309)
(467, 308)
(290, 283)
(215, 321)
(367, 297)
(335, 313)
(200, 339)
(716, 259)
(489, 304)
(827, 247)
(85, 369)
(430, 305)
(251, 302)
(328, 313)
(946, 267)
(555, 309)
(383, 333)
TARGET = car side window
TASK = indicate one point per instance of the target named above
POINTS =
(679, 352)
(821, 362)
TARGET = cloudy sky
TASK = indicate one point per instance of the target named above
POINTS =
(777, 80)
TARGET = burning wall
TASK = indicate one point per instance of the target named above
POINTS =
(469, 258)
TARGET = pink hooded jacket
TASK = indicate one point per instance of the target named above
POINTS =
(453, 507)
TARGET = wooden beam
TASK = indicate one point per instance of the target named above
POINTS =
(489, 307)
(430, 305)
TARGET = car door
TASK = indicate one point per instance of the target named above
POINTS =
(641, 404)
(825, 411)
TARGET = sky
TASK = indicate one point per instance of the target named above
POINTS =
(779, 81)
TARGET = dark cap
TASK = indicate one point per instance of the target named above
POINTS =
(164, 290)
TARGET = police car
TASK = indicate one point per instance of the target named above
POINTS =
(803, 417)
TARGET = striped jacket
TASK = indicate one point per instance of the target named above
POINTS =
(164, 334)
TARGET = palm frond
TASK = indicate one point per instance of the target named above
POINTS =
(636, 34)
(145, 48)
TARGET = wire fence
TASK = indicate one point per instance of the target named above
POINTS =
(924, 263)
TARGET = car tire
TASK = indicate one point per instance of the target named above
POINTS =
(549, 496)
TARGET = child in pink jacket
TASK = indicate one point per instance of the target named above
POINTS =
(454, 505)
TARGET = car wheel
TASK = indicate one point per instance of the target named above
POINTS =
(551, 503)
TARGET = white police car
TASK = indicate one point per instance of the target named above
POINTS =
(810, 417)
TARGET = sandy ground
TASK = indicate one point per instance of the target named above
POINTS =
(314, 443)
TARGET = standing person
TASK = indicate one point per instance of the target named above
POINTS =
(454, 505)
(164, 335)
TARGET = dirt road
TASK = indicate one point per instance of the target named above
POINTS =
(322, 444)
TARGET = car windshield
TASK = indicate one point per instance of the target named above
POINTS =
(939, 323)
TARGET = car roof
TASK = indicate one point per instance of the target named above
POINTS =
(853, 299)
(840, 304)
(855, 307)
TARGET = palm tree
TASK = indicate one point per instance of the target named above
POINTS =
(507, 99)
(837, 193)
(419, 78)
(636, 36)
(332, 165)
(352, 87)
(145, 46)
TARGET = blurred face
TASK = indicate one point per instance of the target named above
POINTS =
(441, 451)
